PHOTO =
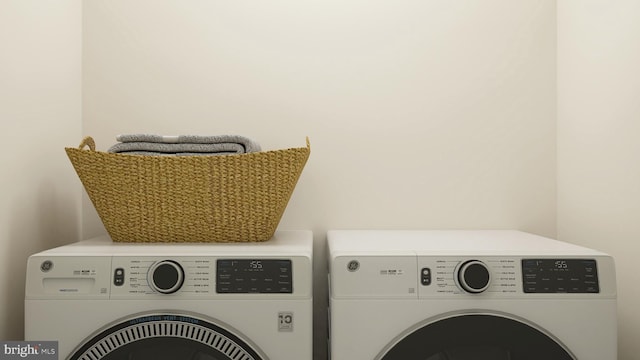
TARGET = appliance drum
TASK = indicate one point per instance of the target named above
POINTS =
(160, 336)
(477, 337)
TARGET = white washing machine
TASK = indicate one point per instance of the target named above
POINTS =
(219, 301)
(463, 295)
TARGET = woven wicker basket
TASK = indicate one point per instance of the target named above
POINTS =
(226, 198)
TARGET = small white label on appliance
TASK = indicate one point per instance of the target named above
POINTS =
(285, 321)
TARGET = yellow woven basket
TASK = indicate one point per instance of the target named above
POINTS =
(226, 198)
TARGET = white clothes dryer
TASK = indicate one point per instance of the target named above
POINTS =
(468, 295)
(214, 301)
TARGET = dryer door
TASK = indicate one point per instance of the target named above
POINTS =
(165, 336)
(476, 337)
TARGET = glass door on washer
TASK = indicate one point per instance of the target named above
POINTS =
(165, 336)
(477, 337)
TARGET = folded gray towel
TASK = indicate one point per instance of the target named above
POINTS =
(183, 145)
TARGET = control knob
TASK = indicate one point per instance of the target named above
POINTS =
(166, 276)
(473, 276)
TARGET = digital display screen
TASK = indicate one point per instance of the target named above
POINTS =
(560, 276)
(262, 276)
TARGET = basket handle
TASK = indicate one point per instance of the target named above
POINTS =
(88, 141)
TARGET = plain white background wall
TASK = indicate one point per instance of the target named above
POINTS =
(599, 151)
(421, 114)
(40, 106)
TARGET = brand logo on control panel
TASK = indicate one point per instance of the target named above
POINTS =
(46, 266)
(353, 265)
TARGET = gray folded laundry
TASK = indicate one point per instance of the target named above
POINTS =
(154, 153)
(183, 145)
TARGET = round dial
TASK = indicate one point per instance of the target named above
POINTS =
(473, 276)
(166, 276)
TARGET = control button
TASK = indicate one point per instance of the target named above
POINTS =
(473, 276)
(425, 276)
(118, 277)
(166, 276)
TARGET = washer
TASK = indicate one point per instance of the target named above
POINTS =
(462, 295)
(218, 301)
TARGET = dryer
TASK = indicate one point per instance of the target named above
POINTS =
(214, 301)
(463, 295)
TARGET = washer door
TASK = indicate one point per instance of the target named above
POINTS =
(165, 336)
(476, 337)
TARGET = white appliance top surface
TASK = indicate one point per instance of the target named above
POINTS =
(284, 242)
(449, 242)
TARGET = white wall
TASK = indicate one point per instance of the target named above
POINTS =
(421, 114)
(599, 151)
(40, 105)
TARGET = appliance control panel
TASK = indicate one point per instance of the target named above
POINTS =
(195, 277)
(263, 276)
(425, 276)
(179, 276)
(503, 276)
(158, 277)
(560, 276)
(468, 275)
